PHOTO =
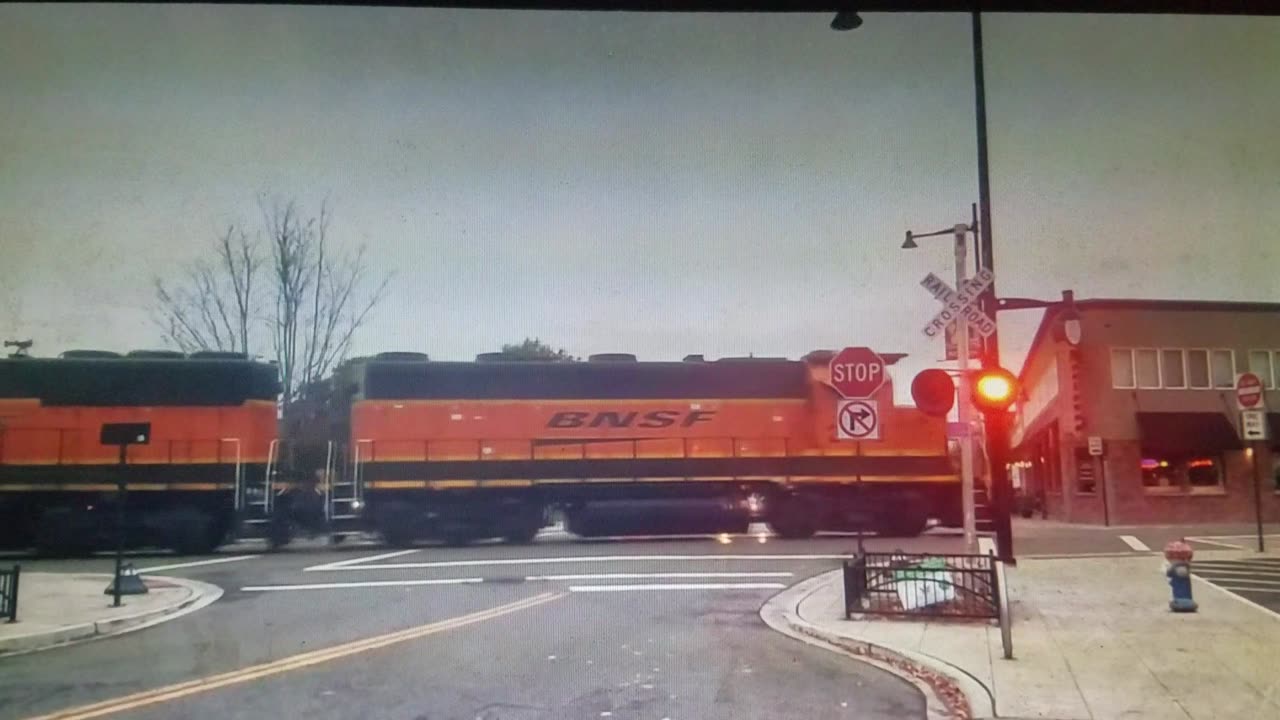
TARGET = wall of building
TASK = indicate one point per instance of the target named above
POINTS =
(1111, 413)
(1131, 503)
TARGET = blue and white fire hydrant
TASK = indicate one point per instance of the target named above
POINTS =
(1177, 556)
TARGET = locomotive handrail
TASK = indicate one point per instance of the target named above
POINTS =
(273, 455)
(239, 474)
(357, 476)
(478, 454)
(72, 450)
(328, 481)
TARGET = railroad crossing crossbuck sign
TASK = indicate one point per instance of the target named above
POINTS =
(858, 420)
(960, 306)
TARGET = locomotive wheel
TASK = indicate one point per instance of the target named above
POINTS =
(793, 519)
(279, 532)
(522, 535)
(525, 524)
(903, 523)
(190, 532)
(395, 524)
(56, 537)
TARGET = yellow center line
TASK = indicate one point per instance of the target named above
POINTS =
(293, 662)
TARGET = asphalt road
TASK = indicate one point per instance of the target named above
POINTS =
(562, 628)
(1256, 580)
(558, 629)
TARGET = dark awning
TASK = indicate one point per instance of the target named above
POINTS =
(1187, 433)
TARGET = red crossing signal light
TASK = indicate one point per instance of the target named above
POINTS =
(994, 389)
(934, 392)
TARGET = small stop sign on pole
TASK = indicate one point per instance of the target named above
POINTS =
(857, 372)
(1248, 391)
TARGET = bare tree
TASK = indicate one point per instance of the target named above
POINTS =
(319, 303)
(212, 306)
(287, 284)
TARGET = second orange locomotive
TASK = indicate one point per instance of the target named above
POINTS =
(460, 451)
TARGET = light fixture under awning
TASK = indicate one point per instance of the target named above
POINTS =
(1186, 433)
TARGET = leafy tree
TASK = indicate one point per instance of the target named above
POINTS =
(535, 349)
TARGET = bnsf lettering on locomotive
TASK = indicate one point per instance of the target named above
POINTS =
(660, 419)
(568, 419)
(614, 419)
(697, 416)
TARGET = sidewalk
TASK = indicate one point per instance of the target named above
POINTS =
(60, 608)
(1093, 639)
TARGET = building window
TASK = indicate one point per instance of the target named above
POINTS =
(1159, 476)
(1198, 369)
(1172, 372)
(1086, 479)
(1204, 474)
(1196, 475)
(1122, 368)
(1260, 364)
(1147, 364)
(1224, 368)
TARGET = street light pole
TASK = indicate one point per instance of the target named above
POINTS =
(962, 396)
(998, 432)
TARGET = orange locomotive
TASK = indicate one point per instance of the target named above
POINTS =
(466, 450)
(213, 419)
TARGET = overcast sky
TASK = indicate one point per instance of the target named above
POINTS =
(656, 184)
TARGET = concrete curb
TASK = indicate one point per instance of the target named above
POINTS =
(949, 692)
(202, 594)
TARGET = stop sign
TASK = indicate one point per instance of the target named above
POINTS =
(857, 372)
(1248, 390)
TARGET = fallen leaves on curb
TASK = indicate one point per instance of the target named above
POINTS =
(957, 705)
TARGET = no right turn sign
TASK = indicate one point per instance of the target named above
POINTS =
(858, 420)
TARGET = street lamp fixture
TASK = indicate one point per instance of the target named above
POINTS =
(846, 20)
(910, 243)
(1068, 325)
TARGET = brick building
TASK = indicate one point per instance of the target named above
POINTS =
(1154, 379)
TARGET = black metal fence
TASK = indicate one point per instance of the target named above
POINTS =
(904, 584)
(9, 593)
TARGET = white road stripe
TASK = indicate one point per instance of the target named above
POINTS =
(1135, 543)
(1225, 571)
(986, 545)
(1249, 536)
(676, 586)
(371, 583)
(353, 561)
(1215, 542)
(655, 576)
(570, 560)
(1251, 581)
(196, 563)
(1238, 598)
(1250, 589)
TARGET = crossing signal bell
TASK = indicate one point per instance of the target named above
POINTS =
(934, 392)
(994, 389)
